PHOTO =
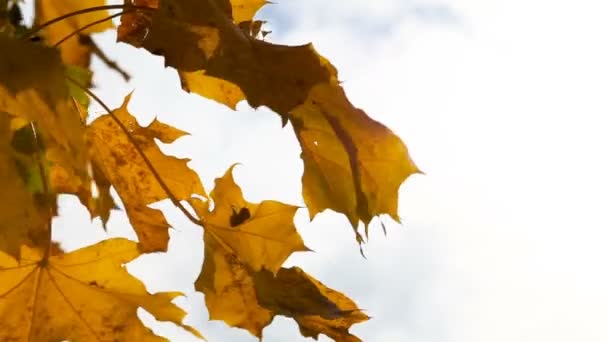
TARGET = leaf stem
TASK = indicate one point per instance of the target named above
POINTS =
(147, 161)
(87, 26)
(38, 28)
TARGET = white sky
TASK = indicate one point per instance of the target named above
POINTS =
(502, 104)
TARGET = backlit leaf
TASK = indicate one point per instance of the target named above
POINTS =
(229, 290)
(261, 235)
(352, 163)
(116, 156)
(23, 220)
(33, 90)
(86, 295)
(244, 298)
(33, 86)
(316, 308)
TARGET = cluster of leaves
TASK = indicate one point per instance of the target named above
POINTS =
(49, 146)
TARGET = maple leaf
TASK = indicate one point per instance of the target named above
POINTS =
(261, 235)
(33, 87)
(352, 163)
(23, 218)
(75, 50)
(229, 290)
(244, 298)
(114, 154)
(85, 295)
(33, 90)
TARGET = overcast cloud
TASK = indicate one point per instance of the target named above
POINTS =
(502, 104)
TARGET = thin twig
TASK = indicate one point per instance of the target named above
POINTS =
(87, 26)
(38, 28)
(86, 40)
(104, 58)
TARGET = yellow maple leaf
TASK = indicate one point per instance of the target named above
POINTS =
(33, 87)
(315, 307)
(114, 154)
(23, 220)
(85, 295)
(261, 235)
(352, 163)
(74, 50)
(34, 92)
(229, 290)
(244, 298)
